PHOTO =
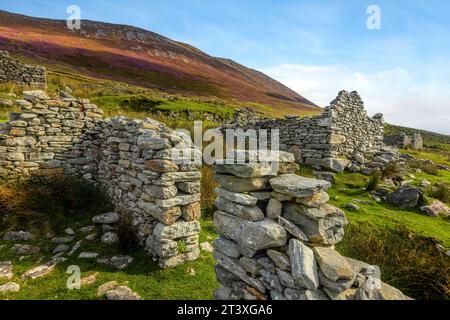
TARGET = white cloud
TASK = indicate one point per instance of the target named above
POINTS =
(414, 100)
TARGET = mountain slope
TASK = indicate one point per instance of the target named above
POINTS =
(144, 58)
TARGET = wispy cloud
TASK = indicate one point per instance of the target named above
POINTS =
(395, 92)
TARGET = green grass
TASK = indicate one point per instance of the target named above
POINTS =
(350, 187)
(143, 276)
(56, 203)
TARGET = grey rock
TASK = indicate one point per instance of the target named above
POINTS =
(110, 238)
(117, 262)
(332, 264)
(227, 247)
(18, 236)
(106, 218)
(251, 213)
(253, 235)
(88, 255)
(303, 265)
(122, 293)
(61, 248)
(236, 184)
(406, 197)
(240, 198)
(296, 186)
(295, 231)
(280, 259)
(274, 209)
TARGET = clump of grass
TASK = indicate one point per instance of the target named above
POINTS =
(127, 233)
(41, 203)
(441, 192)
(429, 168)
(182, 246)
(208, 185)
(374, 181)
(409, 262)
(391, 171)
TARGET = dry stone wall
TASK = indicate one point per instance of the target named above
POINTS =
(343, 130)
(146, 167)
(12, 70)
(277, 237)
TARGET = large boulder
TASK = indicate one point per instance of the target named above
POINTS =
(297, 186)
(436, 209)
(406, 197)
(333, 164)
(259, 235)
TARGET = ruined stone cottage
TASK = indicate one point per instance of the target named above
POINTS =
(404, 141)
(344, 130)
(132, 159)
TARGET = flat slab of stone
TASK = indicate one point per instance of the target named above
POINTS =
(88, 255)
(303, 265)
(251, 213)
(118, 262)
(236, 197)
(106, 218)
(42, 270)
(259, 235)
(297, 186)
(18, 236)
(181, 229)
(332, 264)
(248, 170)
(236, 184)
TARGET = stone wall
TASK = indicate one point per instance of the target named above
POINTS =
(12, 70)
(277, 239)
(404, 141)
(343, 130)
(146, 167)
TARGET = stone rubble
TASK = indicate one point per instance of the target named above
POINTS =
(289, 256)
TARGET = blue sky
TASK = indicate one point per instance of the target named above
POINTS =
(315, 47)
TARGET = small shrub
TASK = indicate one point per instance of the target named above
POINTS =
(429, 168)
(127, 233)
(374, 181)
(391, 171)
(208, 185)
(441, 192)
(182, 246)
(408, 262)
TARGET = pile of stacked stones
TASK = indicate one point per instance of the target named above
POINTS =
(277, 237)
(149, 170)
(12, 70)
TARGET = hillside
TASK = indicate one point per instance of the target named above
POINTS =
(430, 138)
(143, 58)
